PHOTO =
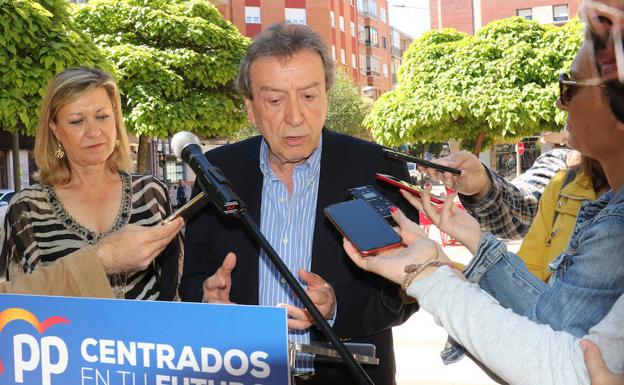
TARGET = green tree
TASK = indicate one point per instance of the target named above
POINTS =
(498, 85)
(176, 61)
(37, 40)
(347, 108)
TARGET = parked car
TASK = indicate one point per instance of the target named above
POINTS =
(5, 197)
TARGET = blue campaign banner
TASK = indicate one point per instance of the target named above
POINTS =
(81, 341)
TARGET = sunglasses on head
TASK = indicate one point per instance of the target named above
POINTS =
(567, 87)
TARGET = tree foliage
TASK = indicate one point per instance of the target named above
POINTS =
(37, 40)
(175, 63)
(497, 85)
(347, 108)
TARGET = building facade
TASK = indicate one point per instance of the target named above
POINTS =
(470, 15)
(399, 42)
(357, 32)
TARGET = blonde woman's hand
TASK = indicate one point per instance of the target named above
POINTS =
(132, 248)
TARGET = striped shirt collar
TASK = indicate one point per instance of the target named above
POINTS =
(312, 164)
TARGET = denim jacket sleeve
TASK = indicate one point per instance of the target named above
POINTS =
(504, 275)
(509, 207)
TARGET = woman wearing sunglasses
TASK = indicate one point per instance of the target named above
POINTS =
(587, 279)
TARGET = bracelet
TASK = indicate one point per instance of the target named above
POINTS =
(413, 270)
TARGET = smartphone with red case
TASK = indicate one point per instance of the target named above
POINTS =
(407, 187)
(363, 226)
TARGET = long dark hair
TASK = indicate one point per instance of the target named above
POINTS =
(594, 170)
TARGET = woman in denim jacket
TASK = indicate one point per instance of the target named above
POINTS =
(588, 277)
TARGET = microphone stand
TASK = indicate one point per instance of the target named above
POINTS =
(236, 207)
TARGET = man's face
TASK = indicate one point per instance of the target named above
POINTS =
(289, 104)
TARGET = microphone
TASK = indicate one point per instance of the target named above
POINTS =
(185, 146)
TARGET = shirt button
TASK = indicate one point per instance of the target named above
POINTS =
(559, 204)
(281, 200)
(283, 281)
(285, 241)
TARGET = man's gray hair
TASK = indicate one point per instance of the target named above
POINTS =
(284, 40)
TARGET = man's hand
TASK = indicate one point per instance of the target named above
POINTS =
(217, 286)
(132, 248)
(321, 294)
(474, 179)
(599, 373)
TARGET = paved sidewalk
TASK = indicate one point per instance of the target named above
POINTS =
(419, 341)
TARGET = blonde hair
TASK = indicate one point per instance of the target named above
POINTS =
(67, 87)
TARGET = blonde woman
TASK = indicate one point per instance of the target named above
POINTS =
(85, 191)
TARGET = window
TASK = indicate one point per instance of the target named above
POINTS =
(383, 42)
(375, 65)
(354, 60)
(352, 29)
(334, 52)
(252, 15)
(362, 34)
(372, 8)
(341, 22)
(343, 56)
(396, 39)
(81, 2)
(174, 171)
(332, 19)
(560, 12)
(372, 39)
(295, 15)
(361, 6)
(526, 13)
(382, 14)
(363, 66)
(385, 70)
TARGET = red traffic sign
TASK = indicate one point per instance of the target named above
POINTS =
(520, 148)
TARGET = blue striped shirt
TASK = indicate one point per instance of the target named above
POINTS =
(287, 221)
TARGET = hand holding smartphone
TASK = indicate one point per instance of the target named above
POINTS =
(189, 208)
(363, 226)
(408, 158)
(403, 185)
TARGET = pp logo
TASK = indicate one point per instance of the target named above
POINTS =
(29, 353)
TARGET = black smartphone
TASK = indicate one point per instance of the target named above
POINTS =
(189, 208)
(362, 226)
(407, 187)
(408, 158)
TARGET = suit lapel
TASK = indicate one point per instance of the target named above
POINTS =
(329, 192)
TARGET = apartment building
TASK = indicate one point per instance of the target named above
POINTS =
(357, 32)
(470, 15)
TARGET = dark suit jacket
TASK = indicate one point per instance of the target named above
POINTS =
(368, 305)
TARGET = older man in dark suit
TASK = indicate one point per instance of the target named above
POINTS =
(287, 176)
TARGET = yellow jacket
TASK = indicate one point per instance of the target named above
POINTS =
(545, 240)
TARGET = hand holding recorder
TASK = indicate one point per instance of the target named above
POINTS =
(474, 179)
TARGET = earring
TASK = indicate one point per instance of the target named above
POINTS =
(117, 143)
(59, 153)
